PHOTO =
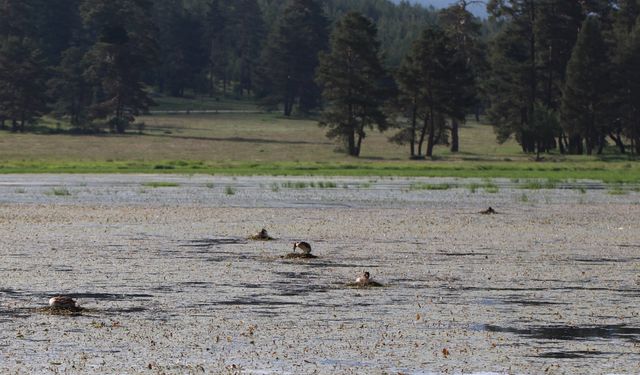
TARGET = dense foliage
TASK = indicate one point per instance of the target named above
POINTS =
(554, 75)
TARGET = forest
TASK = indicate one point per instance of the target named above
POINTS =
(556, 76)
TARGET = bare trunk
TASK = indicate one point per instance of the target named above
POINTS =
(423, 132)
(455, 140)
(211, 81)
(412, 137)
(360, 138)
(601, 142)
(432, 131)
(288, 102)
(561, 144)
(617, 138)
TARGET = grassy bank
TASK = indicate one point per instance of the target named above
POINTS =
(604, 171)
(268, 144)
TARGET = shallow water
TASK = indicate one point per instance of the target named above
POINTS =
(170, 281)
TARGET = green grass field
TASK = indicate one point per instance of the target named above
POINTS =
(267, 143)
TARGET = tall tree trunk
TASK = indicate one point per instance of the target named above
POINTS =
(288, 101)
(211, 81)
(601, 143)
(2, 123)
(432, 134)
(14, 125)
(455, 140)
(412, 136)
(532, 62)
(360, 138)
(561, 143)
(423, 133)
(617, 138)
(575, 144)
(352, 131)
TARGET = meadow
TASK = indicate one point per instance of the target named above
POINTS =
(236, 138)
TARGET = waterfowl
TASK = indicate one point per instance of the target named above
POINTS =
(262, 235)
(63, 302)
(488, 211)
(304, 246)
(363, 279)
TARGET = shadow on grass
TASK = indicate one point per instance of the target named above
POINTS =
(237, 139)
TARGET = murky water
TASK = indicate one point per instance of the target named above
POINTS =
(171, 284)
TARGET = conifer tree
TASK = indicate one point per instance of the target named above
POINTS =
(556, 29)
(70, 90)
(23, 78)
(513, 86)
(585, 98)
(352, 80)
(124, 50)
(216, 29)
(248, 33)
(291, 57)
(15, 18)
(434, 83)
(626, 76)
(464, 31)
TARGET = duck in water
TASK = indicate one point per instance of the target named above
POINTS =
(262, 235)
(62, 302)
(363, 279)
(488, 211)
(304, 246)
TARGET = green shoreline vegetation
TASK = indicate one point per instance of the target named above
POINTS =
(608, 172)
(268, 144)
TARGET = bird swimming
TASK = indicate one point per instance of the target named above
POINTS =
(262, 235)
(304, 246)
(363, 279)
(63, 302)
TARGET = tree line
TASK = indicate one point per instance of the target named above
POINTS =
(551, 74)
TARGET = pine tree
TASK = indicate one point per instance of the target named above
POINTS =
(584, 102)
(184, 56)
(248, 32)
(556, 28)
(405, 109)
(434, 83)
(16, 18)
(58, 25)
(70, 90)
(291, 57)
(513, 86)
(352, 80)
(217, 44)
(464, 31)
(125, 49)
(626, 76)
(23, 78)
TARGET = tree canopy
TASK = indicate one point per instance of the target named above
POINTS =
(538, 70)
